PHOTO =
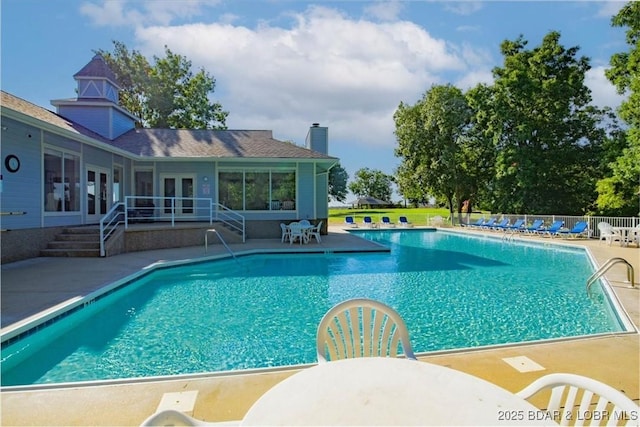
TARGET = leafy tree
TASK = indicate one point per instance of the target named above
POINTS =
(545, 131)
(618, 192)
(338, 177)
(441, 153)
(372, 183)
(166, 94)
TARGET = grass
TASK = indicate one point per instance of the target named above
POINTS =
(417, 216)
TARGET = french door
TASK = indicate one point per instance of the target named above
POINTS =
(97, 193)
(182, 188)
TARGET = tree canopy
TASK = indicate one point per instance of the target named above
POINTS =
(618, 192)
(167, 93)
(338, 177)
(373, 183)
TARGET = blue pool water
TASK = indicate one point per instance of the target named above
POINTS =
(259, 311)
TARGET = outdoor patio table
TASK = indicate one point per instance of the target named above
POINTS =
(627, 234)
(389, 391)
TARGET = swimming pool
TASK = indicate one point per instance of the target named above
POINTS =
(262, 310)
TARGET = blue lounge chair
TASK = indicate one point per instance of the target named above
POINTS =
(489, 223)
(387, 222)
(581, 228)
(501, 225)
(553, 229)
(350, 222)
(478, 223)
(368, 222)
(516, 226)
(403, 222)
(535, 227)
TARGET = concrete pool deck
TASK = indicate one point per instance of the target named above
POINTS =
(32, 286)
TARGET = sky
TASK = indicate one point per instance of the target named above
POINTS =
(283, 65)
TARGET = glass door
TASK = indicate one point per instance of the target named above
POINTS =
(97, 193)
(177, 192)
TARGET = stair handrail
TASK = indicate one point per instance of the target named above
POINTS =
(109, 223)
(229, 217)
(606, 266)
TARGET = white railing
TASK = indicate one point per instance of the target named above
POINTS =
(109, 224)
(230, 218)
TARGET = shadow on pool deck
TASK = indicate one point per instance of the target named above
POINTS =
(31, 286)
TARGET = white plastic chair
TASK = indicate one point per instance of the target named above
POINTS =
(171, 417)
(599, 402)
(296, 232)
(607, 233)
(315, 232)
(362, 328)
(286, 233)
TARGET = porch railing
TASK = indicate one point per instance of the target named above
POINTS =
(139, 209)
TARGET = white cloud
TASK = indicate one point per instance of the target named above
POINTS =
(610, 8)
(602, 91)
(325, 67)
(385, 10)
(463, 7)
(136, 13)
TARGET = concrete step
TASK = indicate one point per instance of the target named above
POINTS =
(70, 253)
(82, 230)
(78, 237)
(91, 244)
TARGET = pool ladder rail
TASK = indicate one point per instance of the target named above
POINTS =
(206, 241)
(606, 266)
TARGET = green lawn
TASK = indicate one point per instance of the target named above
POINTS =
(417, 216)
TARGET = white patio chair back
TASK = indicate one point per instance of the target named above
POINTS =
(362, 328)
(296, 232)
(607, 233)
(593, 397)
(315, 232)
(286, 233)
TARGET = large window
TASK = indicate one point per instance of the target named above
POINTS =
(257, 190)
(62, 181)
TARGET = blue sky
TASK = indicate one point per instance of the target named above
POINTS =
(285, 64)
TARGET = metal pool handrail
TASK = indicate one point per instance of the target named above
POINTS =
(206, 241)
(606, 266)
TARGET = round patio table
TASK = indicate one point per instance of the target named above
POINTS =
(389, 391)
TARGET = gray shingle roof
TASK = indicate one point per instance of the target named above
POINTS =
(211, 143)
(97, 67)
(178, 143)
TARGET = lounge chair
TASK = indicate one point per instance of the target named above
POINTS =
(516, 226)
(171, 417)
(501, 225)
(403, 222)
(489, 223)
(368, 222)
(478, 223)
(387, 222)
(553, 229)
(580, 229)
(575, 397)
(535, 227)
(362, 328)
(348, 220)
(608, 234)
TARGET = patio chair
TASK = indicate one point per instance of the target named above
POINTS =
(387, 222)
(297, 232)
(348, 220)
(581, 228)
(488, 224)
(368, 222)
(608, 234)
(362, 328)
(286, 233)
(557, 225)
(478, 223)
(534, 227)
(315, 232)
(404, 222)
(501, 225)
(516, 226)
(594, 397)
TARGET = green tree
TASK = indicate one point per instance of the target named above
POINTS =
(338, 178)
(618, 192)
(372, 183)
(546, 134)
(441, 153)
(166, 94)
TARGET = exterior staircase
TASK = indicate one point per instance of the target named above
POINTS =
(74, 242)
